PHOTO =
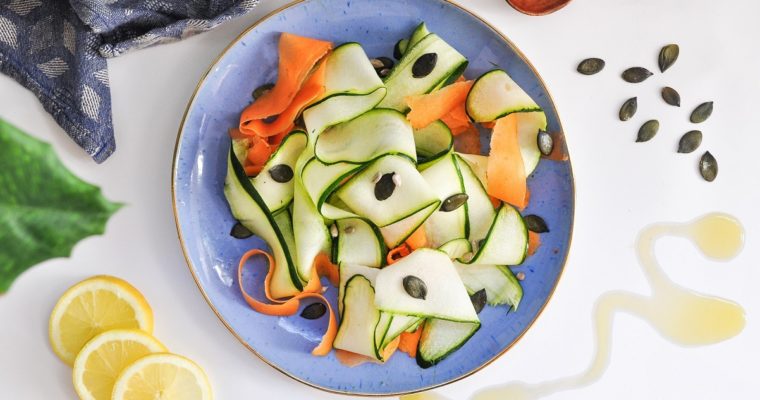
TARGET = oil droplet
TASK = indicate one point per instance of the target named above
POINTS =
(685, 317)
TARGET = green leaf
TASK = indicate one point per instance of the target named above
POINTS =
(44, 209)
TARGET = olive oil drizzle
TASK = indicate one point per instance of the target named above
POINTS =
(679, 314)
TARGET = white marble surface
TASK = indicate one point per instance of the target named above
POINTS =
(621, 187)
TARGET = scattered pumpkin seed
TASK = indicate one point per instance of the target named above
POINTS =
(708, 167)
(386, 62)
(636, 74)
(383, 73)
(591, 66)
(702, 112)
(520, 276)
(545, 143)
(314, 311)
(534, 223)
(648, 130)
(671, 96)
(690, 141)
(415, 287)
(385, 186)
(262, 90)
(281, 173)
(453, 202)
(334, 230)
(668, 56)
(376, 63)
(239, 231)
(628, 110)
(349, 229)
(479, 300)
(424, 65)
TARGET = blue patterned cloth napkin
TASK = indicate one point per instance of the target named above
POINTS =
(58, 50)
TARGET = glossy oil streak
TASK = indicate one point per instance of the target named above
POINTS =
(683, 316)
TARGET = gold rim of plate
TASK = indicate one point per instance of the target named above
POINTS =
(227, 325)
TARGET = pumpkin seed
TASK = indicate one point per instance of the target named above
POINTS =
(520, 276)
(708, 167)
(314, 311)
(628, 110)
(424, 65)
(239, 231)
(262, 90)
(387, 62)
(534, 223)
(385, 186)
(545, 142)
(702, 112)
(479, 300)
(377, 64)
(668, 56)
(453, 202)
(349, 229)
(671, 96)
(281, 173)
(690, 141)
(383, 73)
(415, 287)
(636, 74)
(591, 66)
(648, 130)
(334, 230)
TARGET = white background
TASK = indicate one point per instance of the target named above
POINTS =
(621, 187)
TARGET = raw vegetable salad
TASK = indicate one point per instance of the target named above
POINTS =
(368, 172)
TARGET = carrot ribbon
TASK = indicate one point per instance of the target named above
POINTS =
(313, 289)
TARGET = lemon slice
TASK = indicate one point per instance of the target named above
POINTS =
(104, 357)
(93, 306)
(162, 377)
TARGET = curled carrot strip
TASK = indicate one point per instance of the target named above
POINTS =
(429, 107)
(289, 306)
(259, 152)
(397, 253)
(456, 119)
(409, 342)
(298, 55)
(505, 172)
(312, 89)
(418, 239)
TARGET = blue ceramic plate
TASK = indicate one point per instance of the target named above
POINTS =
(204, 220)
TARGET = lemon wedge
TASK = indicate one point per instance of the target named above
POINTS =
(162, 377)
(104, 357)
(93, 306)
